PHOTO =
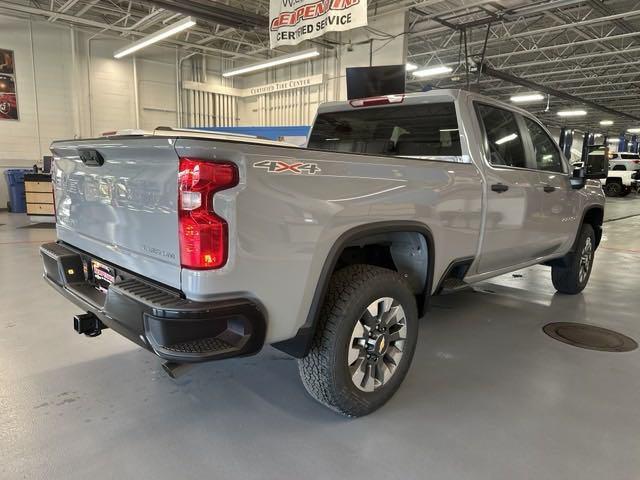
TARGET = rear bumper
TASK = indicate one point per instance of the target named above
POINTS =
(154, 317)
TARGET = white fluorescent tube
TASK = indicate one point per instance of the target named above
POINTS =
(506, 139)
(431, 71)
(410, 67)
(167, 32)
(606, 122)
(294, 57)
(530, 97)
(572, 113)
(634, 130)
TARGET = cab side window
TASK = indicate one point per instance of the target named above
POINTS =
(503, 136)
(545, 151)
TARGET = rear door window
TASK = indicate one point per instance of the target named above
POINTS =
(427, 131)
(503, 137)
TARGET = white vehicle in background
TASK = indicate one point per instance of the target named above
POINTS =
(624, 161)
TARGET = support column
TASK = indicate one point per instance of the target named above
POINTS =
(622, 144)
(563, 138)
(566, 141)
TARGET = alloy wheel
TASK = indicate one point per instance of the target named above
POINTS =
(586, 257)
(377, 344)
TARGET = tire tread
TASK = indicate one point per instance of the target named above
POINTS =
(316, 369)
(565, 279)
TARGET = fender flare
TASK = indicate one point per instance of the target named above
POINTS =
(582, 220)
(564, 260)
(300, 344)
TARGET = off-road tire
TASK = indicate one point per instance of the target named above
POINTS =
(325, 370)
(567, 279)
(613, 189)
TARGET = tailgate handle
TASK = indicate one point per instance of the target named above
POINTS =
(90, 157)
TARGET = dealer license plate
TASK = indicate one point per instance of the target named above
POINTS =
(103, 275)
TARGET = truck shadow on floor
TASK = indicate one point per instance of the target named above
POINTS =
(483, 328)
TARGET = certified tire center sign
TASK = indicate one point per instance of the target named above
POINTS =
(292, 21)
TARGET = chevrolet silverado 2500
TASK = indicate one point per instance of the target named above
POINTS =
(205, 246)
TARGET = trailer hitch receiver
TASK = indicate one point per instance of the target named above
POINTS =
(88, 324)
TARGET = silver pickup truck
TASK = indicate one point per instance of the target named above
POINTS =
(201, 246)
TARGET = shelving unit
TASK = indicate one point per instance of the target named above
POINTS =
(39, 193)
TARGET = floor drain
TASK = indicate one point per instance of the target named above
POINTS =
(590, 337)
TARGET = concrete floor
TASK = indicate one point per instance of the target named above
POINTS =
(489, 396)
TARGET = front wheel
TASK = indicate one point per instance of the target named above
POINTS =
(364, 343)
(574, 276)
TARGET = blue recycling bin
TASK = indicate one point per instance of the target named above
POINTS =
(15, 186)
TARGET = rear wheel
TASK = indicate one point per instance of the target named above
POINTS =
(365, 341)
(573, 277)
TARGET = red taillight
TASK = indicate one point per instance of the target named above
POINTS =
(635, 161)
(204, 236)
(374, 101)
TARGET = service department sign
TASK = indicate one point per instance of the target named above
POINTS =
(292, 21)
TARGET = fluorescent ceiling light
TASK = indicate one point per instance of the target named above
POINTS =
(529, 97)
(448, 129)
(506, 139)
(634, 130)
(410, 67)
(294, 57)
(432, 71)
(572, 113)
(606, 122)
(166, 32)
(614, 140)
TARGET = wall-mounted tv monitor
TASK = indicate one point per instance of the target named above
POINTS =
(363, 82)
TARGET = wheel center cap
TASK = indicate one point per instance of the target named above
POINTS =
(381, 345)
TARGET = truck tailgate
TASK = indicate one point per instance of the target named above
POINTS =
(121, 207)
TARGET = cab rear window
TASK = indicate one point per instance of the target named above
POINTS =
(427, 131)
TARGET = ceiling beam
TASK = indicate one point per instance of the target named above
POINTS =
(507, 77)
(215, 12)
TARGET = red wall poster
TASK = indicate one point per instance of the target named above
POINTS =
(8, 98)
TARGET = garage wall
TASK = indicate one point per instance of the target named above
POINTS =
(157, 92)
(42, 77)
(69, 85)
(288, 107)
(298, 107)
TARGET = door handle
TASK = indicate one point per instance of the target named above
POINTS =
(549, 189)
(499, 187)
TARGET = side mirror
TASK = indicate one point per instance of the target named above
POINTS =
(595, 167)
(578, 179)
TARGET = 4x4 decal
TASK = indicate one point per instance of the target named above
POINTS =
(278, 166)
